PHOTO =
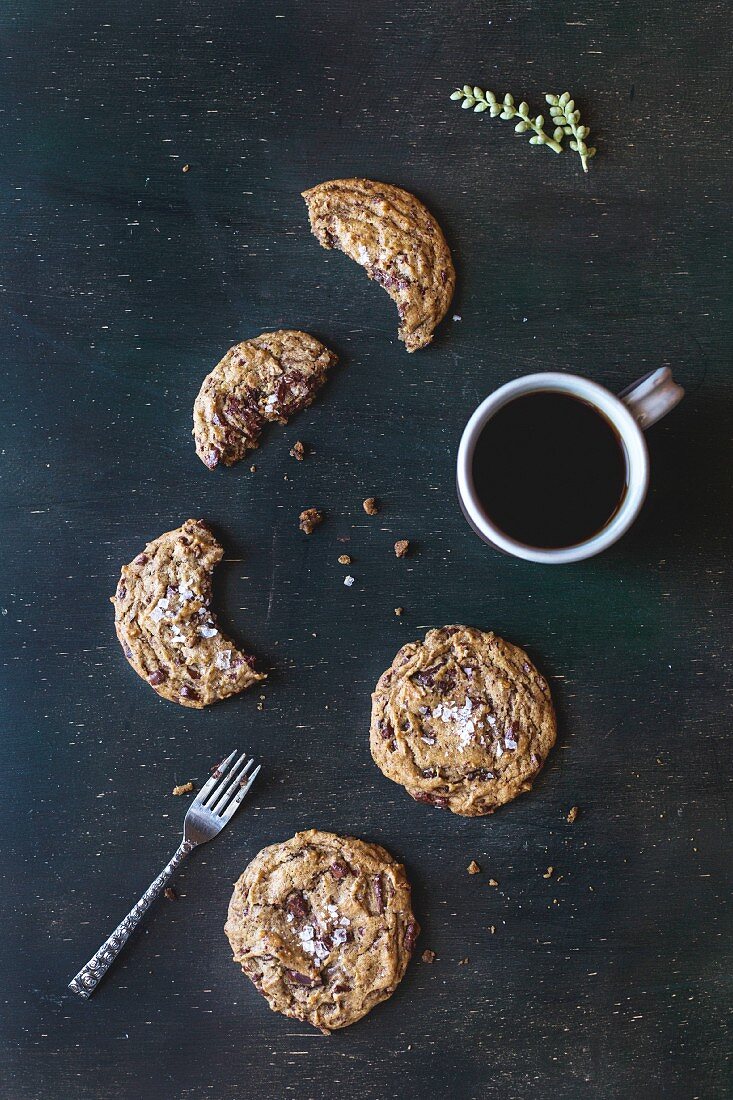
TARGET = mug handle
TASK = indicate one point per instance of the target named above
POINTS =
(652, 397)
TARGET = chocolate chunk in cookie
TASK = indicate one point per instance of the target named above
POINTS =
(323, 927)
(257, 382)
(463, 721)
(165, 624)
(397, 242)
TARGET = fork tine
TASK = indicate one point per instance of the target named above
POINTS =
(218, 774)
(236, 775)
(239, 799)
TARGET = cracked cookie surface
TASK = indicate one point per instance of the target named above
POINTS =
(463, 720)
(264, 380)
(165, 624)
(398, 243)
(323, 927)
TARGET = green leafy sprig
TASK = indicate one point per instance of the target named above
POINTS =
(564, 114)
(487, 101)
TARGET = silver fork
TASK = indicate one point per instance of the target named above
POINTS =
(214, 805)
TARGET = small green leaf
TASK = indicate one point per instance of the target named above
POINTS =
(508, 100)
(480, 107)
(574, 146)
(467, 89)
(534, 141)
(523, 108)
(491, 97)
(507, 114)
(521, 127)
(582, 148)
(592, 152)
(570, 105)
(539, 121)
(564, 99)
(457, 95)
(468, 102)
(567, 129)
(558, 134)
(478, 93)
(495, 110)
(552, 99)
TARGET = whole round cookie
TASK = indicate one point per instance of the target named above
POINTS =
(322, 925)
(463, 720)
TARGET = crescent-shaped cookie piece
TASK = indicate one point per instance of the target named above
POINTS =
(397, 242)
(165, 624)
(266, 379)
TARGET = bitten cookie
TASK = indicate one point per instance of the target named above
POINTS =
(258, 381)
(397, 242)
(463, 720)
(165, 624)
(323, 927)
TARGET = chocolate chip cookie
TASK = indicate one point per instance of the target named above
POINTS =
(266, 379)
(322, 925)
(165, 624)
(463, 720)
(397, 242)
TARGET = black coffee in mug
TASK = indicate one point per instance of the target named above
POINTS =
(549, 470)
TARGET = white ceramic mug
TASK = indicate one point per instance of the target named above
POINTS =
(636, 408)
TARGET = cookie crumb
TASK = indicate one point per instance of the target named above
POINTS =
(473, 868)
(463, 962)
(492, 929)
(428, 956)
(572, 815)
(348, 581)
(184, 788)
(398, 611)
(401, 547)
(371, 506)
(549, 872)
(297, 451)
(309, 520)
(170, 893)
(344, 559)
(253, 469)
(186, 168)
(493, 882)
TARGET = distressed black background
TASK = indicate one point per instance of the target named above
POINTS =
(123, 281)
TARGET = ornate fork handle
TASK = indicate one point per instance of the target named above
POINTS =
(89, 976)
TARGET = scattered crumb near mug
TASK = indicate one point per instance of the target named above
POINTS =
(309, 520)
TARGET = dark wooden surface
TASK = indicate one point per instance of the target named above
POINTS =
(123, 280)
